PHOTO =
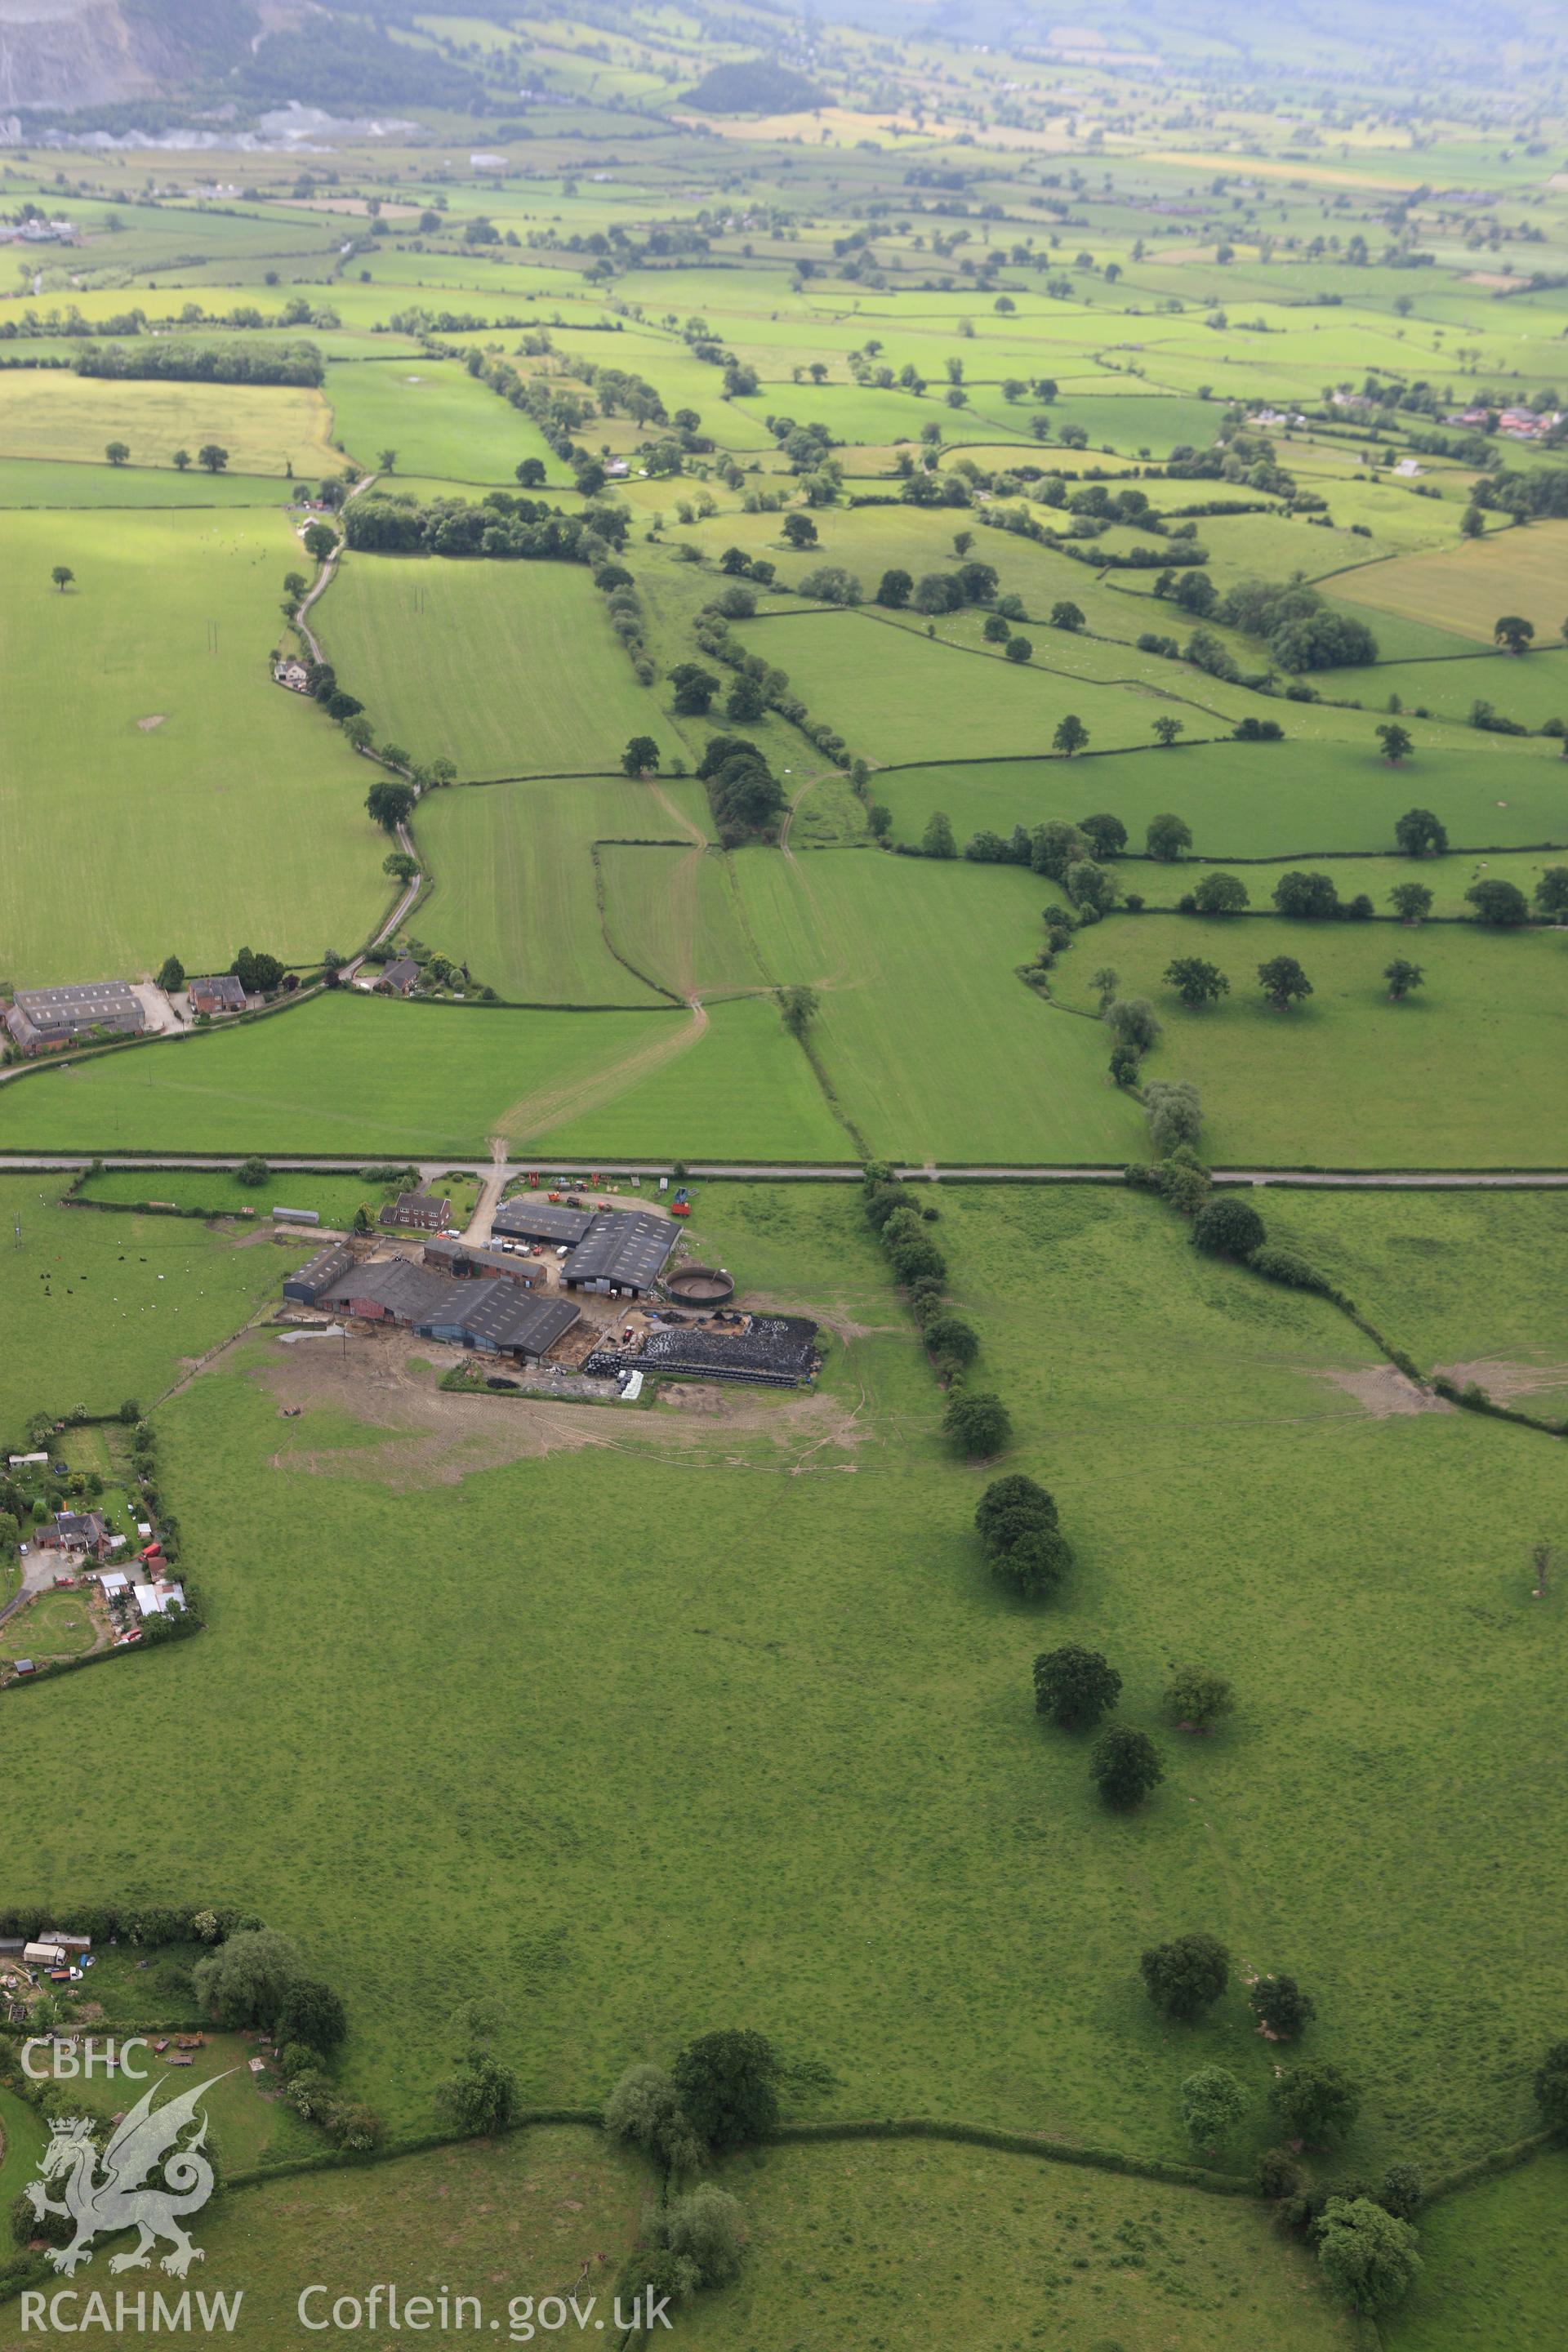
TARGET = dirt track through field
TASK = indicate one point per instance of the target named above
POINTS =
(536, 1114)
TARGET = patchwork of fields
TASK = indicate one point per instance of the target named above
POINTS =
(961, 434)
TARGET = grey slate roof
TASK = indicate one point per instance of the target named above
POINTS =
(496, 1311)
(505, 1317)
(318, 1273)
(529, 1219)
(626, 1246)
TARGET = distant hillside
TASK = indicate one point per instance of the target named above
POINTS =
(92, 52)
(756, 85)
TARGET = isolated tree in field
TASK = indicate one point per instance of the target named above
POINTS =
(995, 630)
(1016, 1522)
(1021, 649)
(726, 2084)
(1071, 734)
(1220, 894)
(1195, 1699)
(800, 531)
(1397, 742)
(937, 840)
(1228, 1227)
(1550, 2084)
(294, 583)
(1316, 2101)
(1075, 1686)
(400, 866)
(1125, 1767)
(1167, 729)
(1283, 982)
(1106, 835)
(117, 452)
(894, 590)
(1176, 1114)
(1501, 903)
(1133, 1019)
(386, 463)
(531, 472)
(1552, 892)
(694, 688)
(1105, 984)
(1065, 615)
(1186, 1976)
(640, 756)
(1212, 2104)
(390, 802)
(1197, 982)
(480, 2099)
(1410, 902)
(171, 975)
(183, 460)
(1167, 837)
(62, 575)
(1402, 977)
(1420, 835)
(1513, 632)
(1366, 2253)
(797, 1008)
(212, 457)
(1280, 2003)
(978, 1424)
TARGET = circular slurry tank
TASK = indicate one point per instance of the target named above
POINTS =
(700, 1286)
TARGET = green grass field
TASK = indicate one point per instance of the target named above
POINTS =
(265, 428)
(862, 1694)
(708, 1712)
(517, 2219)
(369, 1078)
(966, 2246)
(1289, 800)
(436, 418)
(62, 482)
(1494, 2268)
(897, 695)
(55, 1626)
(511, 669)
(100, 1309)
(218, 1190)
(1468, 587)
(1460, 1075)
(515, 886)
(173, 798)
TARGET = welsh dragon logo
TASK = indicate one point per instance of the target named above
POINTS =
(100, 2201)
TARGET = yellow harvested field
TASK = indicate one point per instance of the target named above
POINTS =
(1468, 588)
(265, 428)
